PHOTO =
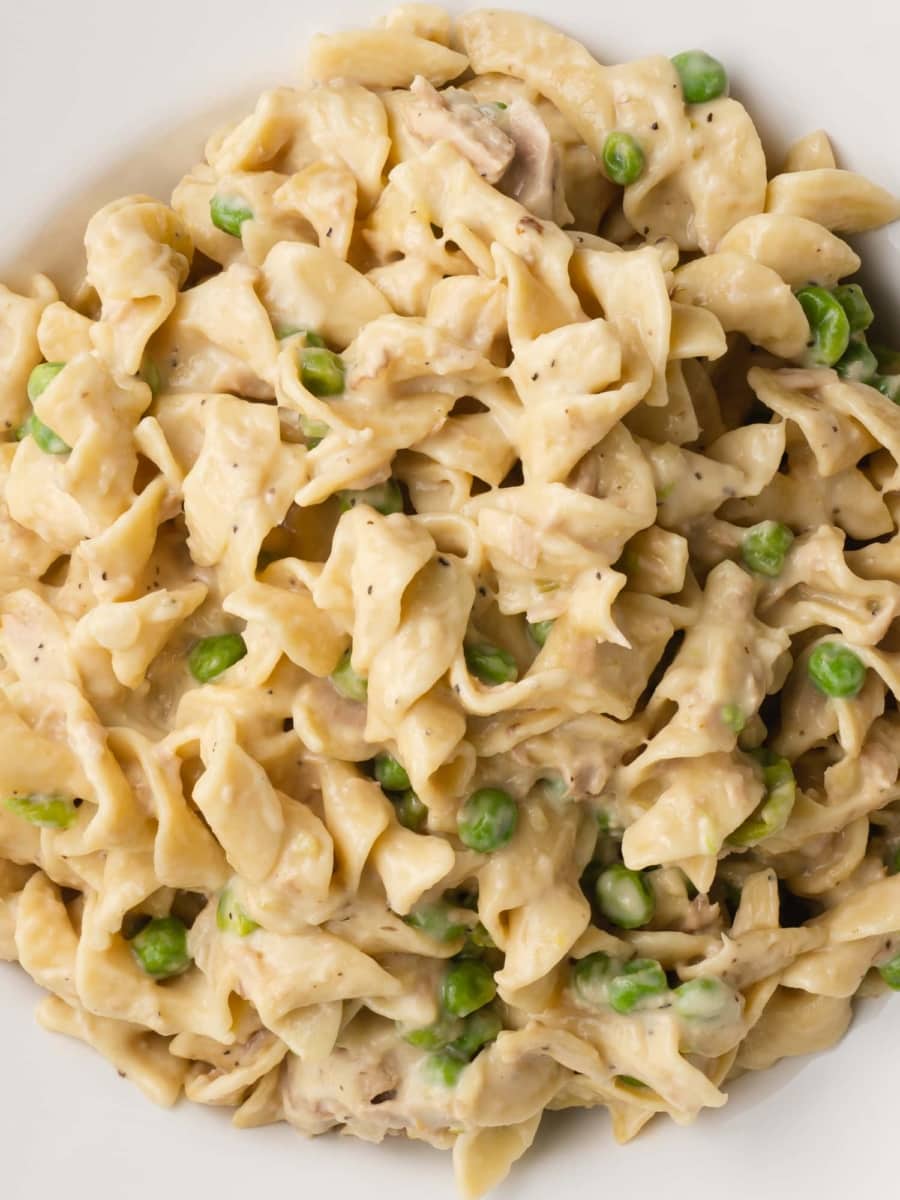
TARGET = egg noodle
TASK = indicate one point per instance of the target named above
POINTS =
(449, 579)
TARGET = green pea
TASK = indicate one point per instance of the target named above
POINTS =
(591, 977)
(892, 861)
(888, 385)
(161, 948)
(438, 921)
(389, 773)
(639, 980)
(385, 498)
(623, 158)
(836, 671)
(48, 810)
(41, 378)
(434, 1037)
(852, 300)
(703, 999)
(828, 326)
(490, 664)
(212, 655)
(44, 437)
(467, 986)
(890, 972)
(313, 430)
(630, 1081)
(480, 1028)
(772, 814)
(444, 1067)
(764, 547)
(487, 820)
(229, 213)
(321, 371)
(149, 372)
(703, 77)
(231, 918)
(478, 940)
(350, 685)
(411, 812)
(858, 363)
(625, 897)
(540, 631)
(733, 716)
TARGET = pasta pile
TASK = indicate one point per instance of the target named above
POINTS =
(450, 579)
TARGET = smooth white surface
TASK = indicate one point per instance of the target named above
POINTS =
(104, 97)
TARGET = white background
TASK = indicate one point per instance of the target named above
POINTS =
(103, 97)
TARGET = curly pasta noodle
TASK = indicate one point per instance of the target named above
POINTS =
(448, 604)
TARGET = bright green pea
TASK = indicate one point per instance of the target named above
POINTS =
(434, 1037)
(487, 820)
(852, 300)
(411, 812)
(228, 213)
(764, 547)
(348, 683)
(438, 921)
(490, 664)
(321, 371)
(858, 363)
(625, 897)
(161, 948)
(890, 972)
(540, 631)
(468, 985)
(888, 385)
(733, 716)
(772, 814)
(444, 1067)
(703, 999)
(828, 326)
(591, 977)
(231, 918)
(48, 810)
(639, 980)
(212, 655)
(44, 437)
(480, 1028)
(703, 77)
(623, 158)
(385, 498)
(836, 671)
(41, 378)
(390, 774)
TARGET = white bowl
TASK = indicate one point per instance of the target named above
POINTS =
(103, 97)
